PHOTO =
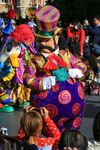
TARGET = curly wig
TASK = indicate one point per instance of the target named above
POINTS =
(24, 34)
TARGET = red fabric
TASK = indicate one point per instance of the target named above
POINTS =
(80, 35)
(11, 14)
(51, 132)
(50, 65)
(24, 34)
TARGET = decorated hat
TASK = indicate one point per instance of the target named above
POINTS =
(30, 12)
(46, 18)
(8, 29)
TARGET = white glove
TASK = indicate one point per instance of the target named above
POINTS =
(75, 73)
(48, 82)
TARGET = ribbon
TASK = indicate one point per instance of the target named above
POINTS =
(53, 61)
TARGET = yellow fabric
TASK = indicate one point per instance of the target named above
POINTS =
(10, 76)
(14, 60)
(66, 55)
(27, 92)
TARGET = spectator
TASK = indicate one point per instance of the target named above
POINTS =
(72, 140)
(95, 46)
(96, 133)
(31, 128)
(76, 33)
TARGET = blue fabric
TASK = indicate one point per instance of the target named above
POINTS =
(48, 147)
(4, 70)
(96, 49)
(1, 65)
(95, 34)
(61, 74)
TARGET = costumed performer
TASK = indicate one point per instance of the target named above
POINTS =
(54, 75)
(13, 60)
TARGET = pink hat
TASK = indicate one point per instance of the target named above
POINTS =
(46, 18)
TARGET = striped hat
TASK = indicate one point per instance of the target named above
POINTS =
(46, 18)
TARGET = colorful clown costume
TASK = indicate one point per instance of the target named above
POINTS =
(65, 100)
(12, 67)
(53, 75)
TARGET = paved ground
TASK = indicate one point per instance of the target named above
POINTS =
(11, 120)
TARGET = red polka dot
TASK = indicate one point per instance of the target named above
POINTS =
(34, 103)
(42, 95)
(76, 108)
(70, 81)
(62, 121)
(64, 97)
(55, 88)
(81, 91)
(53, 110)
(77, 122)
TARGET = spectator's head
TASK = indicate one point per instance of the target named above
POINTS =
(96, 20)
(96, 127)
(78, 25)
(31, 123)
(72, 139)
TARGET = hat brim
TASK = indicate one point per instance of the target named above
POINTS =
(58, 30)
(42, 36)
(30, 12)
(47, 35)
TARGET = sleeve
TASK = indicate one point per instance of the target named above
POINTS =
(93, 30)
(51, 133)
(69, 33)
(20, 135)
(50, 129)
(73, 61)
(78, 63)
(32, 79)
(82, 40)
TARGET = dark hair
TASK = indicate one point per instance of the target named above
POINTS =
(74, 139)
(30, 123)
(96, 127)
(97, 16)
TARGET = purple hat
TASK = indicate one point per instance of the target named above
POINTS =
(46, 18)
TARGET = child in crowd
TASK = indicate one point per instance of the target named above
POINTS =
(32, 122)
(72, 139)
(96, 133)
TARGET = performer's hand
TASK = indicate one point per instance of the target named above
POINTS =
(48, 82)
(75, 73)
(44, 112)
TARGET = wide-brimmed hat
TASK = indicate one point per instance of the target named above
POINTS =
(30, 12)
(47, 18)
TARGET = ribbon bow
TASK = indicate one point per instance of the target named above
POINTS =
(53, 61)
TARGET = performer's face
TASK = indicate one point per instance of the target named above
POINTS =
(10, 51)
(43, 43)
